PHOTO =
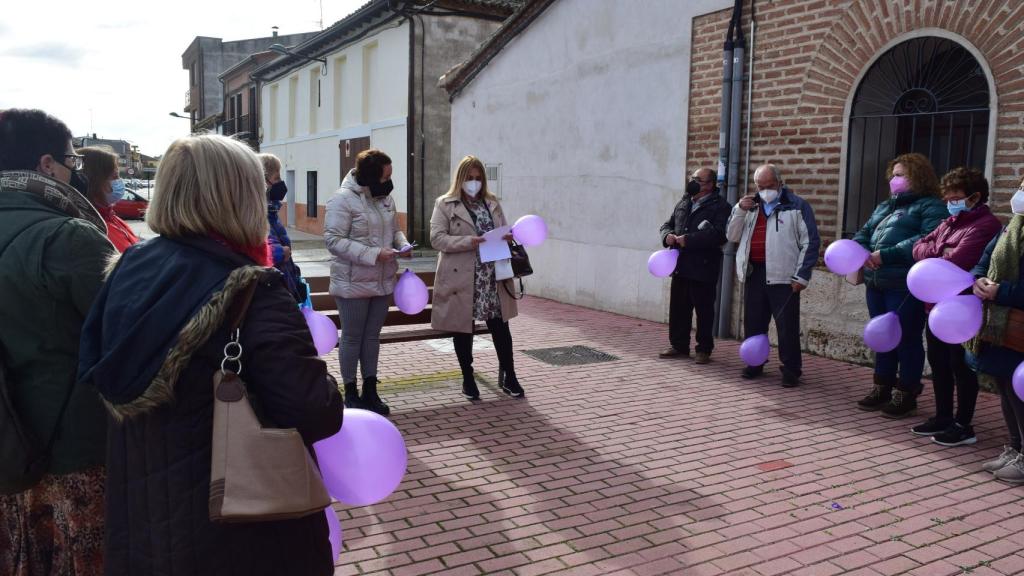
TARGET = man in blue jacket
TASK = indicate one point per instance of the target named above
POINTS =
(697, 229)
(778, 248)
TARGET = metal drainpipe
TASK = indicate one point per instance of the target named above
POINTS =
(724, 302)
(410, 134)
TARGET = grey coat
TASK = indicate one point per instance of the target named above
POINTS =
(357, 226)
(451, 230)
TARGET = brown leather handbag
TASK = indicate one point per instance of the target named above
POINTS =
(256, 473)
(1013, 336)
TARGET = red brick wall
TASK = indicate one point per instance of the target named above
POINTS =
(808, 55)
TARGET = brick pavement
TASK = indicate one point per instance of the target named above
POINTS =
(647, 466)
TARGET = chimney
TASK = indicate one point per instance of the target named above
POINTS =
(274, 28)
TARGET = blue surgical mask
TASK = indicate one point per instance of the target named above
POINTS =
(116, 191)
(957, 206)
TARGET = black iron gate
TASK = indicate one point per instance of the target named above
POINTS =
(926, 95)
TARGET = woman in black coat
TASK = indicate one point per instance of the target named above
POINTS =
(151, 345)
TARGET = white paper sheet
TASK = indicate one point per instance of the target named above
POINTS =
(494, 246)
(503, 269)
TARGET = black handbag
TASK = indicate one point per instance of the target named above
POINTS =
(520, 267)
(520, 260)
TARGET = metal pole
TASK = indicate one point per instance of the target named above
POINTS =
(723, 154)
(735, 109)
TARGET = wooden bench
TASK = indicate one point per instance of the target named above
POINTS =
(413, 327)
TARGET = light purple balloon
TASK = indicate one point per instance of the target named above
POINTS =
(411, 293)
(334, 532)
(325, 333)
(956, 320)
(883, 333)
(754, 350)
(662, 262)
(845, 256)
(365, 461)
(530, 230)
(934, 280)
(1018, 381)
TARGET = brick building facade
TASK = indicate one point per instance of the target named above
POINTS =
(810, 57)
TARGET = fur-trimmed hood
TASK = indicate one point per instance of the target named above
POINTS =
(161, 303)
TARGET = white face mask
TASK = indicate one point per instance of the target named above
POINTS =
(1017, 202)
(768, 195)
(472, 187)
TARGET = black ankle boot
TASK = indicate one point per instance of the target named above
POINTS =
(880, 395)
(509, 383)
(352, 396)
(469, 388)
(371, 401)
(902, 404)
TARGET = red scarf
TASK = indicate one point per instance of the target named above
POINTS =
(260, 254)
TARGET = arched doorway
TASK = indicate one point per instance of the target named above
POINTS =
(927, 95)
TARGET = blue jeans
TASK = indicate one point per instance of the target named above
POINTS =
(907, 360)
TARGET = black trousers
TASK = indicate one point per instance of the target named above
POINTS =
(689, 295)
(502, 338)
(1013, 412)
(949, 371)
(764, 302)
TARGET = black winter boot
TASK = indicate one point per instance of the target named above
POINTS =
(880, 394)
(469, 388)
(509, 383)
(352, 396)
(902, 404)
(371, 401)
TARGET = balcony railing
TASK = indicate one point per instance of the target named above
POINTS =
(239, 124)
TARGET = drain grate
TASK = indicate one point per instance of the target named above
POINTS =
(569, 355)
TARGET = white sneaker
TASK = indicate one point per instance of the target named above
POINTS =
(1008, 455)
(1012, 473)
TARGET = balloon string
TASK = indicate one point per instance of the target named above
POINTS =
(897, 310)
(784, 304)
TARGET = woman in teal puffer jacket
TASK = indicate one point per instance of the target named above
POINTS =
(913, 210)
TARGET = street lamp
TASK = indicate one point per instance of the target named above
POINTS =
(280, 49)
(176, 115)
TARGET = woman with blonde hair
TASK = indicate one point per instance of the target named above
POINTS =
(465, 289)
(913, 209)
(151, 345)
(105, 189)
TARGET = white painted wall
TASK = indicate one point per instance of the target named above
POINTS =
(313, 144)
(586, 112)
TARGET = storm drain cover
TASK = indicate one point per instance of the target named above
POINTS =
(569, 355)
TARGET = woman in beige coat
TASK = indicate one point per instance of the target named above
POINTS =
(465, 289)
(361, 234)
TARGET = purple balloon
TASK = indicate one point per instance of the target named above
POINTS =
(957, 319)
(325, 333)
(754, 350)
(883, 333)
(845, 256)
(662, 262)
(530, 230)
(1018, 381)
(934, 280)
(411, 293)
(365, 461)
(334, 532)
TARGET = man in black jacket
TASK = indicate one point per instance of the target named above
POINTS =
(697, 229)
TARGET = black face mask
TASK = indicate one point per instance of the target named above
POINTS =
(277, 191)
(378, 189)
(80, 182)
(692, 188)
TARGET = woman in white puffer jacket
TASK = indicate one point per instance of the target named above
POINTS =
(361, 233)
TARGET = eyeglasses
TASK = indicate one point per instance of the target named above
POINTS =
(78, 161)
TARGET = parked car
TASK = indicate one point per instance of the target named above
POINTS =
(132, 206)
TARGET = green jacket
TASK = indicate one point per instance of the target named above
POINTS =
(893, 228)
(51, 267)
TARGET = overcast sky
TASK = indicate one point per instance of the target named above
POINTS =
(113, 67)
